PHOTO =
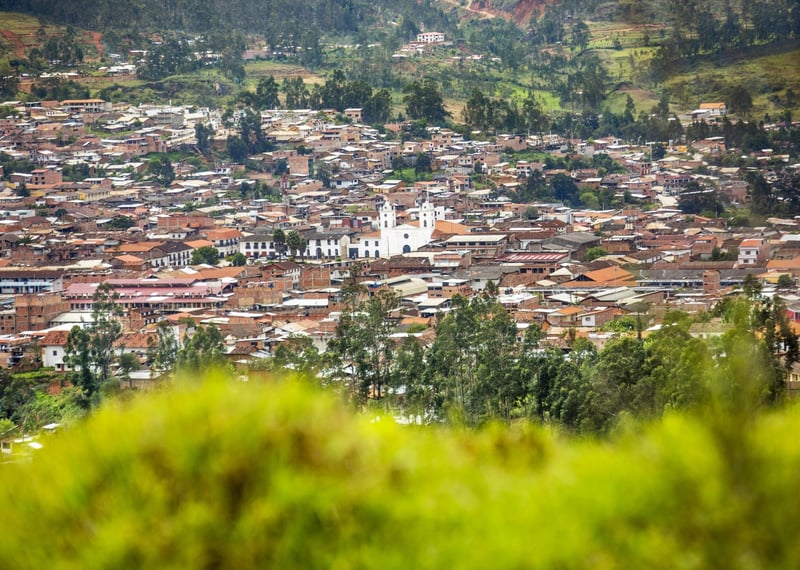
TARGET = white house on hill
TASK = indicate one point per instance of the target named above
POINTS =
(430, 37)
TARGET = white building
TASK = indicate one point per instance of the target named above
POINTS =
(257, 246)
(365, 245)
(405, 238)
(752, 251)
(430, 37)
(326, 245)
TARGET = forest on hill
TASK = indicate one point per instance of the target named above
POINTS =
(570, 56)
(270, 18)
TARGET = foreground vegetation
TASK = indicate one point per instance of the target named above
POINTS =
(477, 368)
(271, 474)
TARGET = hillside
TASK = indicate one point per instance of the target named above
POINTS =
(265, 17)
(518, 11)
(603, 50)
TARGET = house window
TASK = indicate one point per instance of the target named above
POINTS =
(55, 353)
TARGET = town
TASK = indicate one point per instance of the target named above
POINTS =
(399, 284)
(278, 262)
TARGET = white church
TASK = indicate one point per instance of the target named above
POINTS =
(405, 238)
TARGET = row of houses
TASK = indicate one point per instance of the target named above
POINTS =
(334, 185)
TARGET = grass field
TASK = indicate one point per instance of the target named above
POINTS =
(605, 34)
(98, 83)
(262, 68)
(643, 99)
(17, 34)
(767, 72)
(768, 76)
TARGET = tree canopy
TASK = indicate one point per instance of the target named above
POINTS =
(424, 100)
(207, 254)
(90, 350)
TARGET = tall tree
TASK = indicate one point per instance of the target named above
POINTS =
(203, 134)
(533, 115)
(297, 353)
(363, 349)
(207, 254)
(162, 354)
(128, 362)
(266, 96)
(565, 189)
(474, 113)
(472, 360)
(279, 242)
(251, 132)
(622, 381)
(424, 101)
(295, 93)
(9, 82)
(378, 108)
(202, 350)
(407, 380)
(739, 100)
(296, 242)
(160, 166)
(580, 35)
(333, 91)
(90, 350)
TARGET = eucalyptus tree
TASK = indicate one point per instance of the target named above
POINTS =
(90, 350)
(363, 349)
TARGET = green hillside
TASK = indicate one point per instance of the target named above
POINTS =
(282, 20)
(573, 56)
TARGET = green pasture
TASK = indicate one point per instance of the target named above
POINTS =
(768, 77)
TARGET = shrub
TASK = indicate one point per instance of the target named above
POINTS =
(245, 475)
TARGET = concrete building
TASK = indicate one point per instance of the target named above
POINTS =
(430, 37)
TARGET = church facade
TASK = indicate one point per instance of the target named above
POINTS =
(405, 238)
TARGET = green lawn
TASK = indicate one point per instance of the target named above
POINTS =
(643, 99)
(264, 68)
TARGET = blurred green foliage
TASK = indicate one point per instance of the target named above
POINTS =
(226, 474)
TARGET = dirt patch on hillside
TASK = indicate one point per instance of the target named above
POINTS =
(16, 43)
(472, 11)
(97, 41)
(520, 14)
